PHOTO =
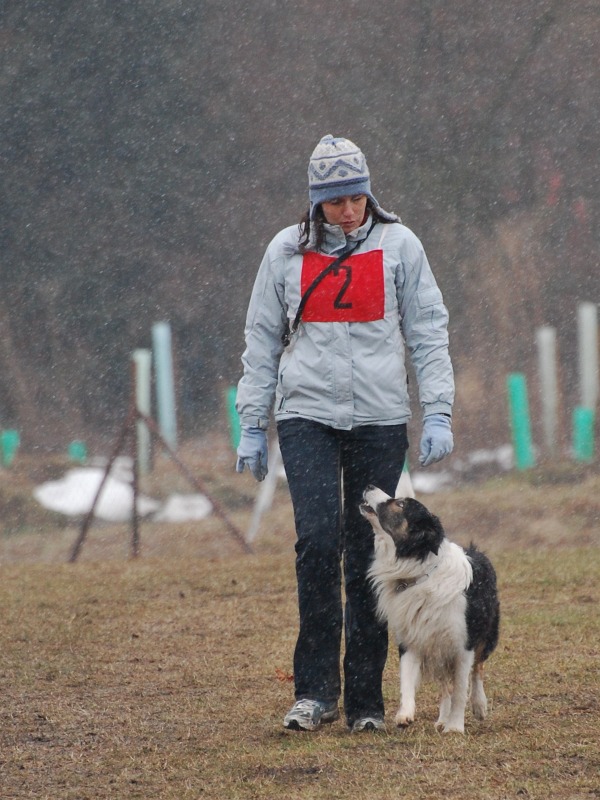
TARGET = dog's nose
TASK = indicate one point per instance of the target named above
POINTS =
(369, 488)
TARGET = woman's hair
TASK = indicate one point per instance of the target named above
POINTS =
(319, 231)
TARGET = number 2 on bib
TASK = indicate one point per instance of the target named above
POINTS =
(353, 292)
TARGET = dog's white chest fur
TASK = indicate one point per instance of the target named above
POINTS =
(428, 615)
(424, 603)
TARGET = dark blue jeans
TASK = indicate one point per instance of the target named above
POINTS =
(327, 472)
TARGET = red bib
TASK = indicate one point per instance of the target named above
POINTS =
(353, 292)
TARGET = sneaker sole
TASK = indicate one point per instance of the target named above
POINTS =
(369, 726)
(326, 719)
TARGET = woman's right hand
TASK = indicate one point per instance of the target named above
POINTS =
(253, 452)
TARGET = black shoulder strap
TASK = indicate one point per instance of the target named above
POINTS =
(289, 332)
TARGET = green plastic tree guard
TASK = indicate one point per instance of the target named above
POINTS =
(77, 451)
(519, 420)
(583, 433)
(9, 444)
(235, 429)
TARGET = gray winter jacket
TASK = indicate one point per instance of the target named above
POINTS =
(345, 366)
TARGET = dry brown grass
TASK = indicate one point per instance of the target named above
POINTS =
(165, 677)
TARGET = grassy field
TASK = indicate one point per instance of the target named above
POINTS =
(168, 676)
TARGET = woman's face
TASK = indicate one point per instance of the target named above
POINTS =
(348, 212)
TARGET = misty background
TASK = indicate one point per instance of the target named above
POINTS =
(150, 149)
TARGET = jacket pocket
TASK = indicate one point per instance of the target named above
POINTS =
(429, 297)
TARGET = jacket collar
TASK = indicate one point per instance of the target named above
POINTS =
(336, 239)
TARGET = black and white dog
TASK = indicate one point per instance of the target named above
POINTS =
(439, 600)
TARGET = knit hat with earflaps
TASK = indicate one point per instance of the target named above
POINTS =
(338, 168)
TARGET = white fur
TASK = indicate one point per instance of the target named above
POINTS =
(428, 620)
(405, 486)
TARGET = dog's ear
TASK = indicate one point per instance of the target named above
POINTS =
(424, 528)
(393, 519)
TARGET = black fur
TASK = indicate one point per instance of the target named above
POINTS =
(425, 531)
(483, 607)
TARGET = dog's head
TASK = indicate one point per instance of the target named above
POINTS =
(415, 531)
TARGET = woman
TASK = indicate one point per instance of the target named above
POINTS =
(334, 303)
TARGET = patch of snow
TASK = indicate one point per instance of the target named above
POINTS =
(74, 494)
(430, 482)
(502, 456)
(184, 507)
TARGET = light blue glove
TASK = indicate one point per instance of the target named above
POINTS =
(253, 452)
(437, 440)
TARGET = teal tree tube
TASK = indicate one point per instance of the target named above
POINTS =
(235, 429)
(9, 444)
(519, 420)
(583, 434)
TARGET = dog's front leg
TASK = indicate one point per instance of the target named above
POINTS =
(460, 692)
(410, 675)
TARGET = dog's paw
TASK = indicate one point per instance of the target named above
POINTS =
(403, 720)
(450, 727)
(444, 714)
(479, 706)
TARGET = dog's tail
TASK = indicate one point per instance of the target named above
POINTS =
(405, 487)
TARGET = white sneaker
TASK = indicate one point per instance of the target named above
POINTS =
(368, 724)
(307, 715)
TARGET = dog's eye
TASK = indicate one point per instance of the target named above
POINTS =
(400, 504)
